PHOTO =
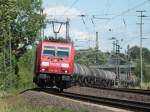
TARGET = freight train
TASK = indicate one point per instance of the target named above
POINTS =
(55, 68)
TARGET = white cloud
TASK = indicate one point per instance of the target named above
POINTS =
(82, 39)
(74, 34)
(81, 35)
(61, 11)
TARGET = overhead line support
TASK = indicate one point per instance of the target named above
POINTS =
(141, 35)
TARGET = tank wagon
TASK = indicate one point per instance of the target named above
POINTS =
(93, 77)
(126, 81)
(86, 76)
(54, 65)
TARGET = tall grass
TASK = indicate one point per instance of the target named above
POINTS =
(17, 104)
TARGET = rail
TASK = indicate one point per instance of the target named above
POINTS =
(135, 91)
(118, 103)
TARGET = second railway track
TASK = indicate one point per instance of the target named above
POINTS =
(118, 103)
(136, 91)
(126, 104)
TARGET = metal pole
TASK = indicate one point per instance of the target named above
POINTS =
(96, 47)
(129, 61)
(113, 46)
(141, 58)
(41, 13)
(117, 56)
(67, 30)
(118, 62)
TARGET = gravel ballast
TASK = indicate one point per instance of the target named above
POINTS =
(109, 94)
(45, 99)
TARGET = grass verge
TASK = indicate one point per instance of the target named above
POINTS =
(11, 103)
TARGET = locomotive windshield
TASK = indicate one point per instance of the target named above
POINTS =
(62, 52)
(49, 50)
(53, 51)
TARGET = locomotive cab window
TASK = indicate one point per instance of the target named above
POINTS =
(49, 50)
(62, 52)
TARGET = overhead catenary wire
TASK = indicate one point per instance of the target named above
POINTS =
(86, 27)
(115, 16)
(98, 15)
(127, 11)
(133, 8)
(108, 6)
(93, 23)
(70, 6)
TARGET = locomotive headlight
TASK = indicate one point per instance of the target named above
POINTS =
(65, 65)
(45, 63)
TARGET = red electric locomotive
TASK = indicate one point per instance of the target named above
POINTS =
(54, 65)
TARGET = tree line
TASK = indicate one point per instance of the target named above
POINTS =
(92, 57)
(20, 24)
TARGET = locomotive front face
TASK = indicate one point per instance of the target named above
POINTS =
(54, 64)
(55, 60)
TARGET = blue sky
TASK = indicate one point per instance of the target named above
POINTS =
(121, 18)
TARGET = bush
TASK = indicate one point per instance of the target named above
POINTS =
(20, 74)
(7, 72)
(26, 64)
(146, 72)
(88, 57)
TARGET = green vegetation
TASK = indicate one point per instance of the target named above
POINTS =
(90, 57)
(60, 39)
(18, 104)
(9, 104)
(17, 32)
(146, 72)
(135, 54)
(9, 80)
(30, 108)
(135, 51)
(26, 66)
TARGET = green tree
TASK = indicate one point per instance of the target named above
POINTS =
(20, 20)
(8, 13)
(135, 53)
(146, 72)
(27, 24)
(26, 64)
(88, 57)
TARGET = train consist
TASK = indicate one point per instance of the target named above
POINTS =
(86, 76)
(55, 67)
(92, 77)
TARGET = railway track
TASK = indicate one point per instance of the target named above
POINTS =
(118, 103)
(136, 91)
(126, 104)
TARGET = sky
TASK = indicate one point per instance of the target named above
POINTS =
(110, 18)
